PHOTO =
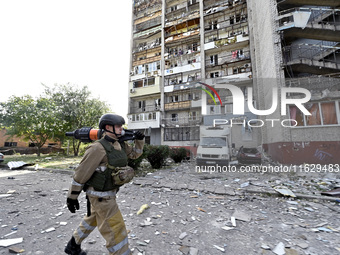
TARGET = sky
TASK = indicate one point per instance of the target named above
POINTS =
(81, 42)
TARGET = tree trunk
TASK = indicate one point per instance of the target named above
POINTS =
(38, 151)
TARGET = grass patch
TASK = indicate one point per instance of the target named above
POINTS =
(46, 160)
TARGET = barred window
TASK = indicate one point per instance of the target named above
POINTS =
(181, 134)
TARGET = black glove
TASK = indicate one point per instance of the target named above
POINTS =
(139, 135)
(72, 204)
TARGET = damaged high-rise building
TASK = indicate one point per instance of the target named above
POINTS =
(188, 55)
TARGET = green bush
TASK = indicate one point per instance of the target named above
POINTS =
(178, 154)
(156, 154)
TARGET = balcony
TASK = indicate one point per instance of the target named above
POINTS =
(177, 105)
(184, 68)
(181, 122)
(213, 6)
(322, 58)
(235, 39)
(284, 4)
(143, 8)
(148, 22)
(144, 87)
(144, 120)
(148, 32)
(313, 23)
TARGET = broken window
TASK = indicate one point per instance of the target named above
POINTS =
(214, 74)
(296, 114)
(323, 113)
(315, 118)
(138, 84)
(329, 113)
(174, 117)
(141, 105)
(181, 134)
(150, 81)
(193, 115)
(231, 20)
(214, 59)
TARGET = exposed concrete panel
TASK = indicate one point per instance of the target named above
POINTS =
(332, 3)
(305, 152)
(311, 33)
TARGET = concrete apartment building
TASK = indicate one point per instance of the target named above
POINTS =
(182, 49)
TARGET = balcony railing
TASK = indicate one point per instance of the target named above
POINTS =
(148, 24)
(324, 18)
(181, 122)
(177, 105)
(323, 54)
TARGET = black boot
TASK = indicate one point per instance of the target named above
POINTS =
(73, 249)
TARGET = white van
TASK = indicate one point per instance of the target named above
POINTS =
(214, 146)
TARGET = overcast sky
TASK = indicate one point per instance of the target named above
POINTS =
(81, 42)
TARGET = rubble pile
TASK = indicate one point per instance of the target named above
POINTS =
(179, 211)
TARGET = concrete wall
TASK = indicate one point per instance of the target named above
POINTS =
(266, 59)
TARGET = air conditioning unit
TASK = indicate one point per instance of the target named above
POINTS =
(132, 91)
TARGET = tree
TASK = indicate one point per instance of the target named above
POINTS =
(75, 109)
(32, 119)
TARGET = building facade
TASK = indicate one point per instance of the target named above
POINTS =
(19, 144)
(186, 55)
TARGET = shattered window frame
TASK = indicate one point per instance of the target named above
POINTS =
(319, 115)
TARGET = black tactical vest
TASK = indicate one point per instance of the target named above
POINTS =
(103, 181)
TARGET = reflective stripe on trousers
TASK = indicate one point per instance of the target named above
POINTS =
(84, 229)
(106, 215)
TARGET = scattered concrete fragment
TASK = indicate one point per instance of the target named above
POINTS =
(5, 195)
(184, 249)
(279, 249)
(219, 248)
(302, 245)
(233, 221)
(49, 230)
(141, 243)
(227, 228)
(183, 235)
(17, 164)
(285, 192)
(291, 252)
(15, 250)
(292, 202)
(265, 247)
(245, 184)
(193, 251)
(238, 215)
(324, 229)
(309, 209)
(9, 242)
